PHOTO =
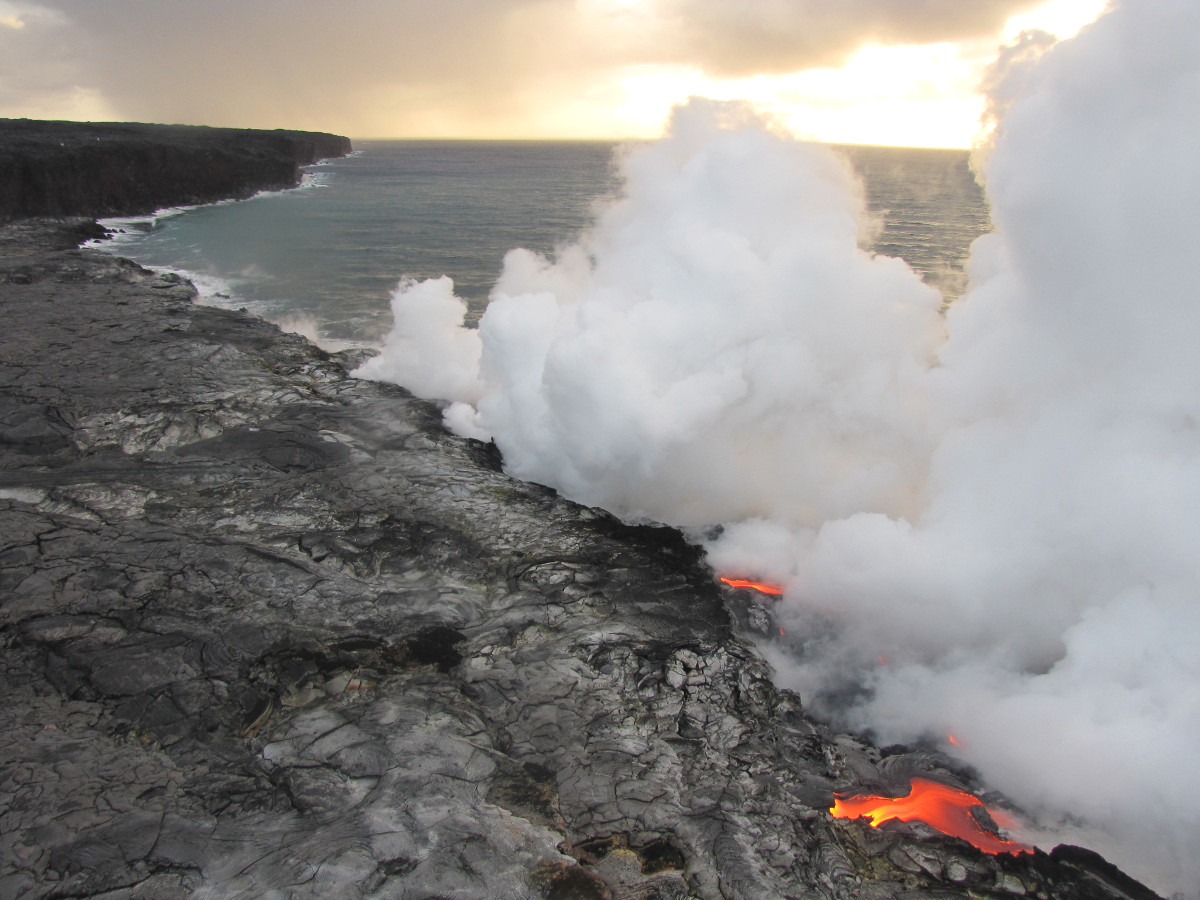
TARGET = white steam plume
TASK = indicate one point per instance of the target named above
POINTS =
(717, 339)
(1044, 607)
(428, 351)
(992, 534)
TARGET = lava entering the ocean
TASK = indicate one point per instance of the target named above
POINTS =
(938, 805)
(762, 587)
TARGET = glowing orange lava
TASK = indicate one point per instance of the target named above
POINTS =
(945, 808)
(761, 586)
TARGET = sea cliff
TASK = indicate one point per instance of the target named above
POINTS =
(269, 630)
(86, 169)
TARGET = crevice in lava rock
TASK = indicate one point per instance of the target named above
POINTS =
(563, 881)
(436, 646)
(529, 791)
(295, 675)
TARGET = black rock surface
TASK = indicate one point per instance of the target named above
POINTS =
(270, 631)
(110, 169)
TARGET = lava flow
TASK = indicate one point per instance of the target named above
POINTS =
(760, 586)
(938, 805)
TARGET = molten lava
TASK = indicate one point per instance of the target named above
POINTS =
(945, 808)
(760, 586)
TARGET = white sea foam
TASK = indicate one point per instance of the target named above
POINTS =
(311, 178)
(125, 229)
(126, 232)
(213, 290)
(991, 534)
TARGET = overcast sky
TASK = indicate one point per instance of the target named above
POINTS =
(870, 71)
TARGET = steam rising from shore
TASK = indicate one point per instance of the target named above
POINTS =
(987, 523)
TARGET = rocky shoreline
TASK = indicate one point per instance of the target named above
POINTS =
(271, 631)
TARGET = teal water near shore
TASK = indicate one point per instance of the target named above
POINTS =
(323, 259)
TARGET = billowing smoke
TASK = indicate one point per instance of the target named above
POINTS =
(718, 339)
(428, 350)
(988, 522)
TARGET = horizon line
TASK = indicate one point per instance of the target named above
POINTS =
(628, 139)
(631, 140)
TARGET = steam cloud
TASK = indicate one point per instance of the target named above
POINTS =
(987, 522)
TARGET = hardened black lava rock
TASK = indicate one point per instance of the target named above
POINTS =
(270, 631)
(122, 168)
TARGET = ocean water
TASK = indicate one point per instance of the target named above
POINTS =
(323, 259)
(930, 206)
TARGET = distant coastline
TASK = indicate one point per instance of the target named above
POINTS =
(117, 169)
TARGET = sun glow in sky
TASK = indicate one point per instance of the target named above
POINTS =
(918, 95)
(518, 68)
(1062, 18)
(921, 96)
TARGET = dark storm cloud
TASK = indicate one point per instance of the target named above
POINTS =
(234, 61)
